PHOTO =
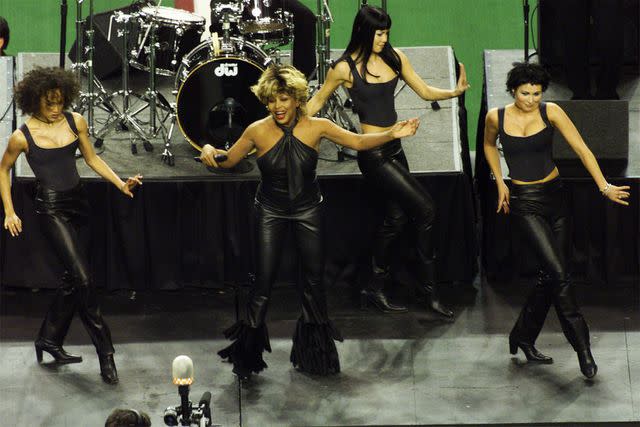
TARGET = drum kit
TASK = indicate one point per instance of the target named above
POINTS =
(212, 75)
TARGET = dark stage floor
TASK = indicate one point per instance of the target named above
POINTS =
(405, 369)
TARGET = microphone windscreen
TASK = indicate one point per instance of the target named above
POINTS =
(182, 370)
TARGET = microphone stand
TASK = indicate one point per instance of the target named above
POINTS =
(525, 8)
(63, 31)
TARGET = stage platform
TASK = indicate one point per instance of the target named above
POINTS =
(404, 369)
(435, 149)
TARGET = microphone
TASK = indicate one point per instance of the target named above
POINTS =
(205, 404)
(182, 372)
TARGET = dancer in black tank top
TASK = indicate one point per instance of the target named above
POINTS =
(286, 144)
(370, 69)
(538, 206)
(49, 138)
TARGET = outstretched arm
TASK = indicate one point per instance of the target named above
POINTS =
(97, 164)
(367, 141)
(426, 92)
(237, 152)
(17, 144)
(493, 158)
(563, 123)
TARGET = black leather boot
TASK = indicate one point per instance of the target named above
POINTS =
(373, 295)
(588, 365)
(108, 370)
(530, 352)
(56, 351)
(430, 291)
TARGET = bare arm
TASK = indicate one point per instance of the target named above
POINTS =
(493, 158)
(17, 144)
(563, 123)
(426, 92)
(367, 141)
(237, 152)
(97, 164)
(337, 75)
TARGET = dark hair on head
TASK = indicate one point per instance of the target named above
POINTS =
(127, 418)
(39, 82)
(368, 20)
(4, 33)
(525, 72)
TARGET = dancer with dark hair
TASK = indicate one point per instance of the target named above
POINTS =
(538, 206)
(370, 69)
(4, 35)
(49, 138)
(286, 144)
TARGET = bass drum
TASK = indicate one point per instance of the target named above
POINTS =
(214, 102)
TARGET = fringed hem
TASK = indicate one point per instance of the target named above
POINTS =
(246, 350)
(314, 350)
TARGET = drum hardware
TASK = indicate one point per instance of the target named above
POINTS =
(364, 3)
(334, 108)
(125, 117)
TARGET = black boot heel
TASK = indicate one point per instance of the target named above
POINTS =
(57, 352)
(588, 365)
(378, 300)
(108, 370)
(531, 353)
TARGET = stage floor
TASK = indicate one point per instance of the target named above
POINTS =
(405, 369)
(499, 62)
(435, 149)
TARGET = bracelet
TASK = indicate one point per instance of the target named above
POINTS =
(606, 189)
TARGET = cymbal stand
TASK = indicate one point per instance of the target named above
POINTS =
(334, 108)
(125, 117)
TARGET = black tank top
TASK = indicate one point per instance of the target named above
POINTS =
(288, 174)
(373, 102)
(530, 158)
(54, 168)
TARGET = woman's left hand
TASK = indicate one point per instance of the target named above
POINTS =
(462, 84)
(131, 183)
(618, 194)
(405, 128)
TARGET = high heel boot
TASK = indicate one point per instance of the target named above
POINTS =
(56, 351)
(430, 291)
(588, 365)
(530, 352)
(373, 295)
(108, 370)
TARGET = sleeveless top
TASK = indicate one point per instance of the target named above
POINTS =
(530, 158)
(288, 174)
(373, 102)
(54, 168)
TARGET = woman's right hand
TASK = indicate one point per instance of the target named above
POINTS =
(13, 224)
(208, 156)
(503, 198)
(405, 128)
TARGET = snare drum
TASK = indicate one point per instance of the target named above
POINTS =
(214, 102)
(177, 33)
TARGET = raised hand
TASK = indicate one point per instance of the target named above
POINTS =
(463, 84)
(405, 128)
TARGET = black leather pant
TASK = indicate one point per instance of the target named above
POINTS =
(404, 200)
(539, 212)
(63, 219)
(273, 227)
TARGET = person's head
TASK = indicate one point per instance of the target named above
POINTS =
(46, 92)
(284, 90)
(370, 35)
(4, 35)
(526, 83)
(127, 418)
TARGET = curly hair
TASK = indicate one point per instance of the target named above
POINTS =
(282, 79)
(41, 81)
(127, 418)
(525, 72)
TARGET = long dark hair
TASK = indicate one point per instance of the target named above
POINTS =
(368, 20)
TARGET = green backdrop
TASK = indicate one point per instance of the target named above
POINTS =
(470, 26)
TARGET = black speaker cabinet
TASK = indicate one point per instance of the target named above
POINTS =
(604, 126)
(550, 40)
(108, 47)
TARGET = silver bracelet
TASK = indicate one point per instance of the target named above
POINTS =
(606, 189)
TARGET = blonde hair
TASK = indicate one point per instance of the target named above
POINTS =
(282, 79)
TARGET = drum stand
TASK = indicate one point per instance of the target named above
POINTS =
(88, 100)
(334, 108)
(125, 117)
